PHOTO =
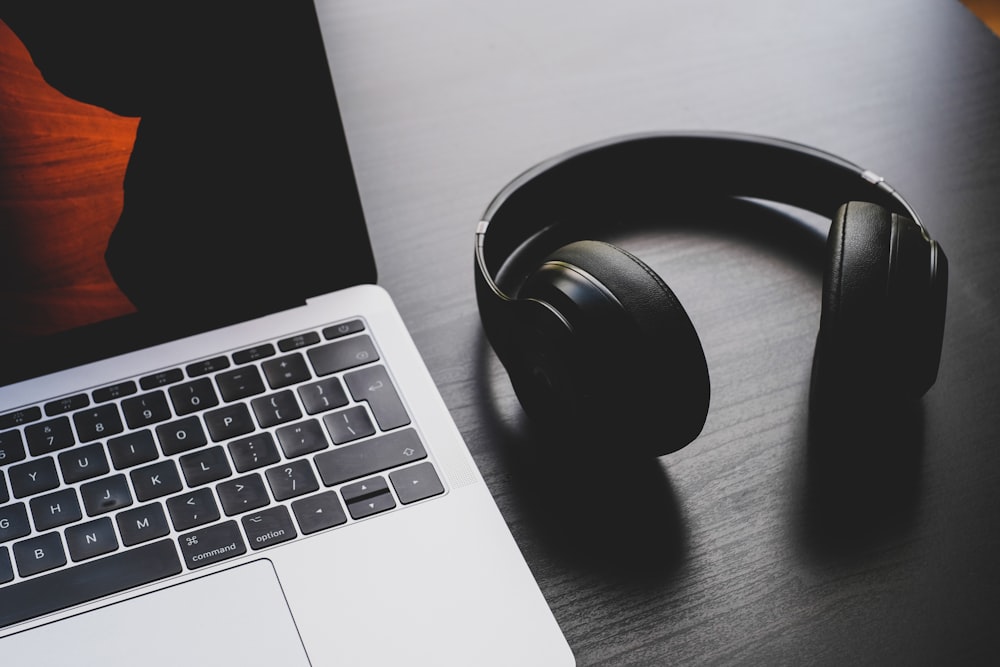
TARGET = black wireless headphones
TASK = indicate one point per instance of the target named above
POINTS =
(595, 342)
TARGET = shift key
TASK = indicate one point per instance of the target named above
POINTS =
(369, 456)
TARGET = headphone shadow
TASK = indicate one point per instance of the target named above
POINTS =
(862, 477)
(597, 514)
(859, 487)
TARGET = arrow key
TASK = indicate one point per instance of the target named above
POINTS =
(319, 512)
(416, 483)
(367, 497)
(371, 505)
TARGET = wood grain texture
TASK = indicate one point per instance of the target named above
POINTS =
(736, 561)
(746, 547)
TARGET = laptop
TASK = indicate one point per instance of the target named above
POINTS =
(218, 443)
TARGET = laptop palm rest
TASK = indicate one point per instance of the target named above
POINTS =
(234, 617)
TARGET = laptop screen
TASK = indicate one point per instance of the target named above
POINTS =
(165, 168)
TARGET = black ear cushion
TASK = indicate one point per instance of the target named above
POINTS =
(668, 359)
(854, 298)
(876, 326)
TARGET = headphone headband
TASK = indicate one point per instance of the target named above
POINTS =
(644, 170)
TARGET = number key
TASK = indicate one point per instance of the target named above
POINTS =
(99, 422)
(146, 409)
(49, 436)
(11, 447)
(193, 396)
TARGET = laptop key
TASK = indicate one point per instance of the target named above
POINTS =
(350, 424)
(88, 581)
(338, 330)
(208, 465)
(181, 435)
(6, 567)
(294, 479)
(374, 386)
(323, 395)
(105, 495)
(67, 404)
(55, 509)
(39, 554)
(11, 447)
(146, 409)
(49, 436)
(18, 417)
(156, 480)
(4, 494)
(299, 341)
(212, 544)
(83, 463)
(240, 383)
(416, 483)
(254, 452)
(94, 538)
(192, 509)
(100, 422)
(228, 422)
(342, 354)
(13, 522)
(114, 391)
(301, 438)
(33, 477)
(285, 371)
(272, 526)
(369, 457)
(276, 408)
(193, 396)
(319, 512)
(369, 506)
(142, 524)
(161, 379)
(132, 449)
(242, 494)
(207, 366)
(254, 353)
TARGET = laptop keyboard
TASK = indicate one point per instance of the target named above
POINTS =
(130, 483)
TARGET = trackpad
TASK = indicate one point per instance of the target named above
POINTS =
(235, 617)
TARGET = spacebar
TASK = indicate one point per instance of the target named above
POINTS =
(83, 583)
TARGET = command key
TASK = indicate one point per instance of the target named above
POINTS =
(211, 544)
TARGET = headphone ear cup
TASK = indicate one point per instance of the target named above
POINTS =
(883, 307)
(652, 377)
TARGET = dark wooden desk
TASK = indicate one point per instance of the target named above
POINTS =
(735, 549)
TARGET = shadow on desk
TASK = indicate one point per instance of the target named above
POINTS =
(593, 513)
(862, 481)
(856, 493)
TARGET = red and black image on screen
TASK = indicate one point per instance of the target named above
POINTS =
(181, 159)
